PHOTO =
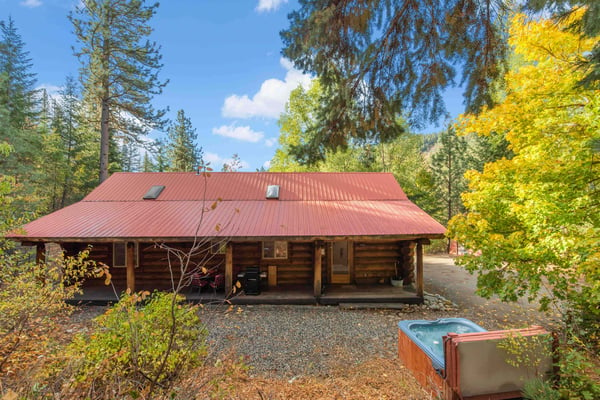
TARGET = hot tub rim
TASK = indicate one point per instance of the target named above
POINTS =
(438, 364)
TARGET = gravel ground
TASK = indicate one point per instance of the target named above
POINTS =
(316, 341)
(295, 341)
(291, 341)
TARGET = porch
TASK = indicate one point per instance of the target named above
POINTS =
(293, 294)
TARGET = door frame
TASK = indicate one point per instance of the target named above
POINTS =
(342, 279)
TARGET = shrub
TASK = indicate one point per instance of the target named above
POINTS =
(142, 342)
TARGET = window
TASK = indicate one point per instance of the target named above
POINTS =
(120, 255)
(218, 247)
(275, 249)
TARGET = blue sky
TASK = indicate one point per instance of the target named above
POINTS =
(222, 58)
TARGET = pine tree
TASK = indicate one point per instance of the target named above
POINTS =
(449, 162)
(18, 93)
(120, 68)
(234, 165)
(147, 164)
(182, 151)
(18, 100)
(160, 152)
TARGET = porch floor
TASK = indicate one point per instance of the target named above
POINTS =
(301, 294)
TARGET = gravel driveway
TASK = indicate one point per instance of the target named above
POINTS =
(294, 341)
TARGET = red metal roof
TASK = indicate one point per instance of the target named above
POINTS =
(310, 205)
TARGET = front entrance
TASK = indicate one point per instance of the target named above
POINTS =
(340, 266)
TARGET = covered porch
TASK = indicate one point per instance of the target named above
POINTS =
(293, 294)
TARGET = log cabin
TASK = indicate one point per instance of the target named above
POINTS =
(310, 230)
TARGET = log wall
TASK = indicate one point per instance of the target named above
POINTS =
(152, 270)
(297, 269)
(374, 262)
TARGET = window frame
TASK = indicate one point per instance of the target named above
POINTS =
(136, 254)
(277, 248)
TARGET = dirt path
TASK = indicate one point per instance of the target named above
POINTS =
(443, 277)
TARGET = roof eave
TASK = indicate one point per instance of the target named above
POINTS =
(35, 240)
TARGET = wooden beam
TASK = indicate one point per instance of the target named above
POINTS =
(228, 268)
(419, 269)
(130, 261)
(40, 253)
(318, 270)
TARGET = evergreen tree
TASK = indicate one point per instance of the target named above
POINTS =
(449, 162)
(120, 68)
(160, 152)
(18, 101)
(380, 58)
(130, 157)
(234, 165)
(18, 93)
(147, 164)
(182, 151)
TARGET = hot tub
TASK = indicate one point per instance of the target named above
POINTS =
(427, 335)
(454, 358)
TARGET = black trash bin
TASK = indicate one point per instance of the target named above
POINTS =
(251, 280)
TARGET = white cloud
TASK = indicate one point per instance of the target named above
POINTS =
(270, 142)
(267, 165)
(31, 3)
(270, 100)
(216, 162)
(244, 133)
(53, 91)
(269, 5)
(213, 159)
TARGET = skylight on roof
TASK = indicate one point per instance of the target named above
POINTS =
(153, 192)
(273, 192)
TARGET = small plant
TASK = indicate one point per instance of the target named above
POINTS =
(135, 343)
(539, 389)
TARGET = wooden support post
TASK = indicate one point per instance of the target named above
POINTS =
(228, 269)
(318, 270)
(419, 269)
(40, 253)
(130, 261)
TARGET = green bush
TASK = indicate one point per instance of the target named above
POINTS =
(142, 342)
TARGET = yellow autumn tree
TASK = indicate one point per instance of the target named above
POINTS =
(532, 224)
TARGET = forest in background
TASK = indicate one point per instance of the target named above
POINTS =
(515, 179)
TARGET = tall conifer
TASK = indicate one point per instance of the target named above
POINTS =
(120, 67)
(182, 151)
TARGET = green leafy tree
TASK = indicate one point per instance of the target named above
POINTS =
(182, 151)
(294, 127)
(587, 26)
(533, 221)
(119, 68)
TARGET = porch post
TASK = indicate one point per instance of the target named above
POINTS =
(40, 253)
(130, 261)
(419, 269)
(228, 268)
(317, 284)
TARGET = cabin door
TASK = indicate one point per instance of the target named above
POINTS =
(340, 266)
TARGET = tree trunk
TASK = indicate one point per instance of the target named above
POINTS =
(104, 142)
